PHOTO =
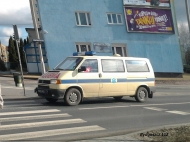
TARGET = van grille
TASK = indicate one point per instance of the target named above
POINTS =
(43, 87)
(44, 81)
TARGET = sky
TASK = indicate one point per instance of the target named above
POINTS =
(14, 12)
(17, 12)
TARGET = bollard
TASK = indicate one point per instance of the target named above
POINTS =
(1, 99)
(18, 79)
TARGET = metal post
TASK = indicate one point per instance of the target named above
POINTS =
(20, 66)
(187, 12)
(37, 36)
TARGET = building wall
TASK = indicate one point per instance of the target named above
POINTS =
(4, 53)
(58, 19)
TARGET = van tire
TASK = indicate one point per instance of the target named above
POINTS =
(141, 95)
(51, 100)
(72, 97)
(118, 98)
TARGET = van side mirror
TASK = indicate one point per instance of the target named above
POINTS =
(82, 68)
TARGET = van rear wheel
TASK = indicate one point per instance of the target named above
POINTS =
(72, 97)
(141, 95)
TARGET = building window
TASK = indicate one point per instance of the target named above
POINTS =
(82, 47)
(119, 50)
(114, 18)
(83, 18)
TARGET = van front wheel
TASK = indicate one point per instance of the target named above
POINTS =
(141, 95)
(72, 97)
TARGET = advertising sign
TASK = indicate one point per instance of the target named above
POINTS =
(149, 20)
(154, 3)
(102, 47)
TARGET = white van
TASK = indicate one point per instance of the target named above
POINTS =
(84, 75)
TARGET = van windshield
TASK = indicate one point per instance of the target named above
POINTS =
(69, 63)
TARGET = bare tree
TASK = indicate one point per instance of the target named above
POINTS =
(184, 36)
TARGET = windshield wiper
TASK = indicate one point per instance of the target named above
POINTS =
(58, 69)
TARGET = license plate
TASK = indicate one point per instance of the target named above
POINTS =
(41, 91)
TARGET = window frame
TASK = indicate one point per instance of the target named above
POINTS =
(88, 46)
(123, 49)
(89, 23)
(113, 71)
(112, 23)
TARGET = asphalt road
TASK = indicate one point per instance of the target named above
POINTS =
(40, 120)
(92, 118)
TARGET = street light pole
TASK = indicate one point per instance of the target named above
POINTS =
(37, 36)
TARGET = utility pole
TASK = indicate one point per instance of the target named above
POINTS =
(37, 36)
(187, 12)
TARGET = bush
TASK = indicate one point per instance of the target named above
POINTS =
(186, 68)
(13, 65)
(2, 66)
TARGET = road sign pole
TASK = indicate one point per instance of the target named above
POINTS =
(16, 39)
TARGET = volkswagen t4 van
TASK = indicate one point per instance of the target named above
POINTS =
(85, 75)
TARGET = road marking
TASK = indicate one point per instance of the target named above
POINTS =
(47, 133)
(40, 124)
(162, 104)
(34, 117)
(182, 103)
(155, 108)
(103, 107)
(179, 112)
(29, 112)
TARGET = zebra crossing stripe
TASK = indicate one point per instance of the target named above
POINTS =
(29, 112)
(40, 124)
(179, 112)
(55, 132)
(155, 108)
(34, 117)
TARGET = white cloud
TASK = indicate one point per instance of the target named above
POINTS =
(14, 12)
(8, 6)
(7, 31)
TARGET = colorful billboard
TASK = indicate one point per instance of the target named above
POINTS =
(149, 20)
(154, 3)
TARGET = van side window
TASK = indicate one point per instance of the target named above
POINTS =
(91, 65)
(111, 65)
(136, 66)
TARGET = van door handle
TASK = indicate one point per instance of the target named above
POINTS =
(100, 75)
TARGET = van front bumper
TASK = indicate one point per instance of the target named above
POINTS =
(50, 93)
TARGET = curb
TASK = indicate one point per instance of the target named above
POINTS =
(25, 77)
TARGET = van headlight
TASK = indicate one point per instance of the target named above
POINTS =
(55, 81)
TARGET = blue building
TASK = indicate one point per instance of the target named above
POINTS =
(142, 29)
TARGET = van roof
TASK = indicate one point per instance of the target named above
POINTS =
(111, 57)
